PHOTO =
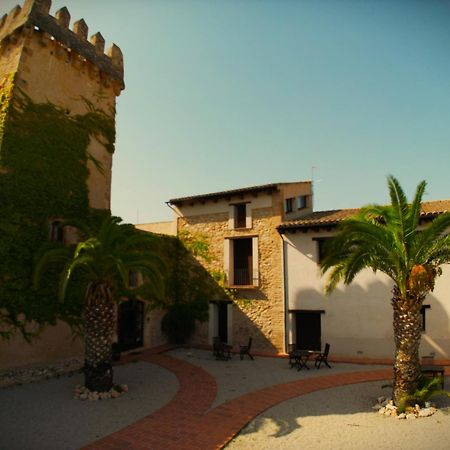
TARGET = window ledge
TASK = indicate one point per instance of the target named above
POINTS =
(243, 286)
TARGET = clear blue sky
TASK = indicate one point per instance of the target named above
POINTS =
(223, 94)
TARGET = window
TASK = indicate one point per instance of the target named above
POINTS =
(56, 231)
(321, 248)
(302, 201)
(288, 205)
(241, 261)
(240, 215)
(133, 279)
(422, 311)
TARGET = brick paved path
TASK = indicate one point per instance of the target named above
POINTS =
(187, 423)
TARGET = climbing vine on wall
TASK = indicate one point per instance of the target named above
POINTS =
(43, 175)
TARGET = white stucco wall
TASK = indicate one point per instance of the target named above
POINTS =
(358, 318)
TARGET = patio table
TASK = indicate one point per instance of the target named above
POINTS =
(299, 358)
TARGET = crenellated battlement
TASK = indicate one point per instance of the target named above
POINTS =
(35, 16)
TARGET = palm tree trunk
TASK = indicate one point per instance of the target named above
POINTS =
(99, 326)
(407, 336)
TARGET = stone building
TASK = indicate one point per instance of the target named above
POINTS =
(240, 227)
(53, 80)
(268, 241)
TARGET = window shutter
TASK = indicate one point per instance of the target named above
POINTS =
(231, 218)
(228, 261)
(230, 323)
(248, 217)
(255, 261)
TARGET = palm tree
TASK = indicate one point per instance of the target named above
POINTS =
(106, 259)
(387, 239)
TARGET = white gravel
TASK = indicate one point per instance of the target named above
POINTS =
(235, 377)
(44, 416)
(331, 419)
(341, 418)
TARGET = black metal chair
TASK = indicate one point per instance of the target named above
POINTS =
(291, 349)
(323, 357)
(430, 370)
(245, 349)
(221, 350)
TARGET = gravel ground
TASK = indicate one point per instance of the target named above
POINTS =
(338, 418)
(43, 415)
(341, 418)
(235, 377)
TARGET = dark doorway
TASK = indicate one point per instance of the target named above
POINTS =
(130, 322)
(222, 311)
(243, 251)
(308, 330)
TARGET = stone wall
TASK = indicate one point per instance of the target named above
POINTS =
(258, 312)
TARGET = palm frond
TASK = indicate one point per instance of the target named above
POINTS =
(427, 239)
(82, 262)
(86, 246)
(415, 208)
(47, 258)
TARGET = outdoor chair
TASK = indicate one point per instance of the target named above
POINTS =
(291, 350)
(430, 370)
(245, 349)
(221, 350)
(323, 357)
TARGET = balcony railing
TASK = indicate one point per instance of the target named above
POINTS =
(244, 277)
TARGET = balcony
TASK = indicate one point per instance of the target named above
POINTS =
(244, 277)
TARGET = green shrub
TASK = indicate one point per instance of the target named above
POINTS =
(426, 389)
(179, 323)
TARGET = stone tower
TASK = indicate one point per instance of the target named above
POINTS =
(57, 108)
(43, 58)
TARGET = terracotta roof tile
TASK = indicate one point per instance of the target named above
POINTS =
(333, 217)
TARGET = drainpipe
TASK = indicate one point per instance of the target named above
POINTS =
(173, 209)
(285, 292)
(176, 214)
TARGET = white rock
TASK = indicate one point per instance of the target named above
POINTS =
(425, 412)
(377, 406)
(410, 416)
(83, 396)
(381, 399)
(401, 416)
(381, 410)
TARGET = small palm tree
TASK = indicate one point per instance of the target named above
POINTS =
(106, 259)
(387, 239)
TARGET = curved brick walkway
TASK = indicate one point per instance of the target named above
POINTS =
(186, 423)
